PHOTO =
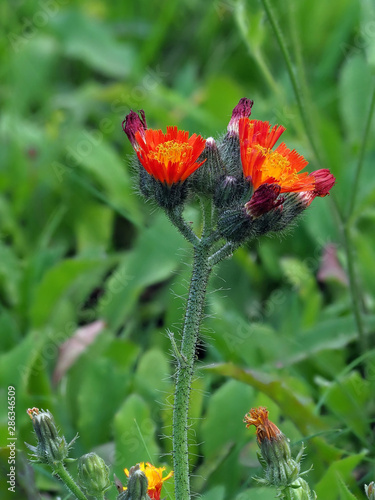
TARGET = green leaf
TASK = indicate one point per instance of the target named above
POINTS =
(100, 377)
(57, 282)
(152, 378)
(258, 494)
(355, 88)
(216, 493)
(91, 41)
(89, 150)
(134, 432)
(227, 405)
(295, 408)
(331, 483)
(345, 493)
(347, 398)
(152, 260)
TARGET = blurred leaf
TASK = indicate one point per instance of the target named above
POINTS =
(100, 377)
(89, 150)
(258, 493)
(134, 431)
(355, 88)
(345, 493)
(93, 43)
(152, 260)
(330, 486)
(295, 408)
(216, 493)
(346, 398)
(227, 405)
(57, 282)
(10, 274)
(367, 30)
(152, 378)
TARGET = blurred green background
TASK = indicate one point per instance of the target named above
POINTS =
(82, 257)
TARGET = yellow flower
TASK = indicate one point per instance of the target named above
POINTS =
(154, 477)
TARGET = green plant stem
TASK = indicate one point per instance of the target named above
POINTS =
(176, 217)
(225, 251)
(361, 156)
(353, 287)
(296, 88)
(185, 369)
(60, 471)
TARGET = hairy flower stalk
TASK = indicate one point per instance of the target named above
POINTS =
(246, 189)
(185, 368)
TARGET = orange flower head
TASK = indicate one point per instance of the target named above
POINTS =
(172, 157)
(265, 428)
(264, 165)
(154, 477)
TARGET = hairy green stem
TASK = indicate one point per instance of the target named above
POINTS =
(60, 471)
(176, 217)
(225, 251)
(185, 369)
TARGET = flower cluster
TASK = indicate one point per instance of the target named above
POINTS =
(255, 185)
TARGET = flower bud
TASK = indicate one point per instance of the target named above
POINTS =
(229, 147)
(280, 469)
(242, 110)
(52, 448)
(264, 199)
(230, 191)
(324, 181)
(133, 124)
(204, 180)
(370, 490)
(93, 474)
(300, 490)
(137, 485)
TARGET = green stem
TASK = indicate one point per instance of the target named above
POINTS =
(240, 17)
(225, 251)
(361, 156)
(296, 88)
(60, 471)
(353, 287)
(185, 370)
(175, 216)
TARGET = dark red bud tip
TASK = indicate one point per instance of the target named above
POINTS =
(242, 110)
(324, 181)
(133, 124)
(264, 199)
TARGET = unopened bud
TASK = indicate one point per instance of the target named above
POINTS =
(280, 469)
(264, 199)
(204, 180)
(300, 490)
(231, 191)
(370, 490)
(229, 146)
(93, 474)
(242, 110)
(137, 486)
(133, 124)
(52, 447)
